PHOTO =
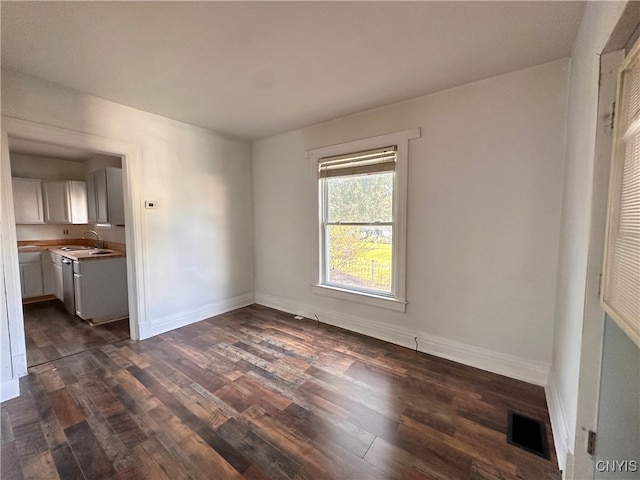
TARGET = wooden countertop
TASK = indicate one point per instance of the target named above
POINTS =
(80, 255)
(84, 255)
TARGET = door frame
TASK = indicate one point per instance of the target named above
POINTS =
(623, 36)
(594, 315)
(131, 155)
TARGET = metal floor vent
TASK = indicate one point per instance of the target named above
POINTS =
(528, 434)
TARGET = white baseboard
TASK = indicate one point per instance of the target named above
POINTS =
(9, 389)
(156, 327)
(496, 362)
(559, 424)
(478, 357)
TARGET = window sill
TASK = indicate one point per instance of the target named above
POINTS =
(361, 297)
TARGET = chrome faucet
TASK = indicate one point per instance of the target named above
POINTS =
(98, 241)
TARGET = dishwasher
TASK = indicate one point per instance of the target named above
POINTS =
(68, 296)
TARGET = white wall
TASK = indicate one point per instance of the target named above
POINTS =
(49, 232)
(43, 168)
(101, 161)
(196, 246)
(597, 24)
(484, 202)
(110, 234)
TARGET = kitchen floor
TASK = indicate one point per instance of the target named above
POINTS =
(52, 333)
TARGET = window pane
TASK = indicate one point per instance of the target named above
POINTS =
(361, 198)
(360, 257)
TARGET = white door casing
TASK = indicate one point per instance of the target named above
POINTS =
(131, 155)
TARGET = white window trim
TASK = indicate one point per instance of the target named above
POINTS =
(397, 301)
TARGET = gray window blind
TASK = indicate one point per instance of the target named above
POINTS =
(359, 163)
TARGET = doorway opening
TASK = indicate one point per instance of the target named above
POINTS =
(69, 209)
(130, 154)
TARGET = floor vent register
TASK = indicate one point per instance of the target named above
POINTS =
(528, 434)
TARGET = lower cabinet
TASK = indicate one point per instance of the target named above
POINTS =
(56, 274)
(100, 288)
(31, 281)
(77, 293)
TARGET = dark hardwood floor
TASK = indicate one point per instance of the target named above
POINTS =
(52, 333)
(256, 394)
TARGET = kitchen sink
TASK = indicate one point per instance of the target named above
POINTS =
(100, 252)
(75, 248)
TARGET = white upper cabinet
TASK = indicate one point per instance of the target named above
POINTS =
(27, 201)
(65, 202)
(105, 196)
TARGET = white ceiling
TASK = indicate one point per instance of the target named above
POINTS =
(254, 69)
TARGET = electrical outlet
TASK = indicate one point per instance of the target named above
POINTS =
(150, 204)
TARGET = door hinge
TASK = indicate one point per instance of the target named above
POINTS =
(591, 443)
(600, 287)
(613, 115)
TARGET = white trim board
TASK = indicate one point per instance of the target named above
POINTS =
(171, 322)
(11, 297)
(9, 389)
(503, 364)
(397, 301)
(559, 424)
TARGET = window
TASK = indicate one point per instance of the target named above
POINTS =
(621, 273)
(361, 203)
(357, 220)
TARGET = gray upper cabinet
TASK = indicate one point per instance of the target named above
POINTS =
(97, 196)
(65, 202)
(27, 201)
(105, 196)
(115, 196)
(91, 195)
